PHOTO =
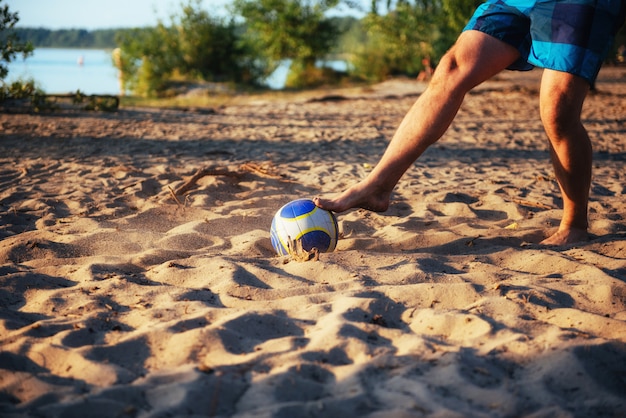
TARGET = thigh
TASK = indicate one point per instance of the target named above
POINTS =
(508, 22)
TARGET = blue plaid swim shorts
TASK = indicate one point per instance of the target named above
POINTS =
(571, 36)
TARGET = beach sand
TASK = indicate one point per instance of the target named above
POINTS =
(119, 299)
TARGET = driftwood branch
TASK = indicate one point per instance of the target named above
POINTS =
(236, 172)
(531, 204)
(203, 172)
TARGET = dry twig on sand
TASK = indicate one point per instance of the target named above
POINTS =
(203, 172)
(532, 204)
(264, 170)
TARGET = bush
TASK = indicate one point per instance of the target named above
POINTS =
(399, 42)
(19, 89)
(303, 76)
(10, 44)
(194, 47)
(296, 30)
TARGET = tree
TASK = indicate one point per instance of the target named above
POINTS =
(193, 47)
(398, 42)
(146, 59)
(209, 49)
(294, 30)
(10, 44)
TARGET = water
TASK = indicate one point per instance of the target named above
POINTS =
(58, 70)
(91, 71)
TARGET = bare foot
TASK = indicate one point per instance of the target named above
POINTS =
(358, 196)
(565, 236)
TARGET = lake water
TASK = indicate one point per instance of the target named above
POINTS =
(91, 71)
(66, 70)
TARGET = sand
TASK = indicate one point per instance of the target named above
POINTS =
(117, 299)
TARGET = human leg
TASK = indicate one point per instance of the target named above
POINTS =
(474, 58)
(561, 101)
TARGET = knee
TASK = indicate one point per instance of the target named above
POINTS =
(552, 119)
(561, 101)
(559, 121)
(450, 73)
(448, 63)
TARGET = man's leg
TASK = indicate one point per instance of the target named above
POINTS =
(561, 100)
(474, 58)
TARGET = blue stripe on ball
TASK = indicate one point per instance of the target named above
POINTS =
(298, 208)
(315, 239)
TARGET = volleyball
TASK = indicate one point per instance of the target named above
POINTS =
(301, 221)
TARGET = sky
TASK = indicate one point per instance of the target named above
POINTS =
(101, 14)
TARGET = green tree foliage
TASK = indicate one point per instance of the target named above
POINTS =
(455, 15)
(458, 12)
(195, 46)
(210, 49)
(398, 41)
(10, 44)
(145, 60)
(295, 30)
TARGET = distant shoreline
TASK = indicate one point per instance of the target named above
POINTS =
(69, 38)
